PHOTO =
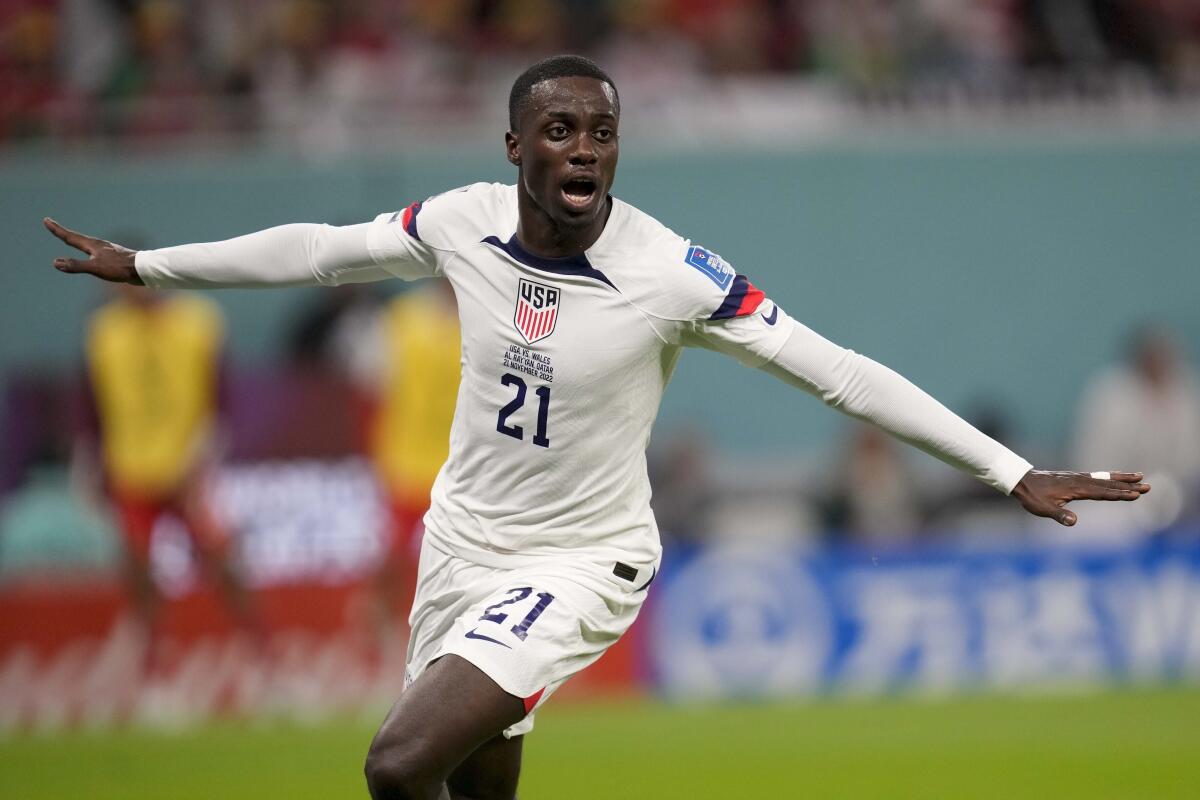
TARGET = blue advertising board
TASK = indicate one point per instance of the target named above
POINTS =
(764, 620)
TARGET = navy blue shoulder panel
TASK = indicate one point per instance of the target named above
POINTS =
(410, 219)
(571, 265)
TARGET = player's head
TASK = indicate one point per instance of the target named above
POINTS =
(1154, 352)
(547, 69)
(563, 114)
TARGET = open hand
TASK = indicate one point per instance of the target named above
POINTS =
(107, 261)
(1046, 494)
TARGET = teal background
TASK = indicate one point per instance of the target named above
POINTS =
(1004, 269)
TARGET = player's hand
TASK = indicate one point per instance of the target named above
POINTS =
(107, 261)
(1046, 494)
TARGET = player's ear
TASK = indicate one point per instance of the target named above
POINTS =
(512, 147)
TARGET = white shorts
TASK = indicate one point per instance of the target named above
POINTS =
(530, 628)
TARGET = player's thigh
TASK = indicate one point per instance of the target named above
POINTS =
(536, 627)
(451, 710)
(490, 773)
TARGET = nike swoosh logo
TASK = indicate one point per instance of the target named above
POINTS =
(471, 634)
(774, 315)
(645, 585)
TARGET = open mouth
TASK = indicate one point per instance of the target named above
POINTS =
(579, 192)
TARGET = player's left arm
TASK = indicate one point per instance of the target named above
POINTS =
(1046, 494)
(862, 388)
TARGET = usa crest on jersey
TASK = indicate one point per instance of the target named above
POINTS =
(537, 310)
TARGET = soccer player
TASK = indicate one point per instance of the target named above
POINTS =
(409, 440)
(153, 378)
(574, 308)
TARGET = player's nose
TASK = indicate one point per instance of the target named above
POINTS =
(584, 151)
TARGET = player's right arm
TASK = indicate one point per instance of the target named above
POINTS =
(289, 255)
(415, 242)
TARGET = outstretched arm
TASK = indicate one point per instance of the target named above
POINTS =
(862, 388)
(288, 255)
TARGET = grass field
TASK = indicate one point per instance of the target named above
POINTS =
(1134, 744)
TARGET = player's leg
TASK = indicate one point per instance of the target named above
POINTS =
(451, 711)
(492, 771)
(212, 541)
(393, 581)
(137, 517)
(514, 635)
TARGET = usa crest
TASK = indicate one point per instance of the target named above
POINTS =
(537, 310)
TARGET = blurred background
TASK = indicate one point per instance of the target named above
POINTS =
(210, 503)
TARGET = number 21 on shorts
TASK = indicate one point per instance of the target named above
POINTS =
(520, 629)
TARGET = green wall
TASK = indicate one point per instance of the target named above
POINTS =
(1006, 269)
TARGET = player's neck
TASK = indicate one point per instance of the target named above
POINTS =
(543, 236)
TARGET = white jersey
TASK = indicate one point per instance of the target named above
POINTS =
(564, 362)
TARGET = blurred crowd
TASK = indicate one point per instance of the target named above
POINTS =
(149, 70)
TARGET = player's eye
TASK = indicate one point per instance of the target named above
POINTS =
(604, 135)
(558, 131)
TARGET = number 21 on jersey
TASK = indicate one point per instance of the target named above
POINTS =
(543, 411)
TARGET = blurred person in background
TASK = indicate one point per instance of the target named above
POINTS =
(1145, 411)
(874, 500)
(151, 439)
(961, 509)
(859, 41)
(332, 330)
(30, 84)
(416, 384)
(155, 88)
(649, 55)
(976, 41)
(679, 466)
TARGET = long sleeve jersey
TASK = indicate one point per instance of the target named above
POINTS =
(565, 360)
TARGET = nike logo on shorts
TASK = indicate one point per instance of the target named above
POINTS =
(774, 315)
(471, 634)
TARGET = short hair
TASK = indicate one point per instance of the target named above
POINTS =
(564, 66)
